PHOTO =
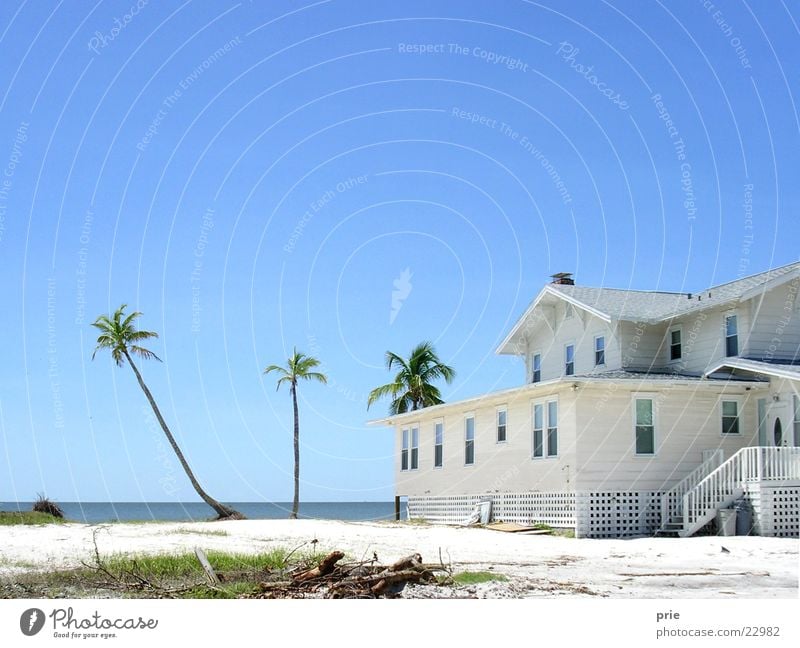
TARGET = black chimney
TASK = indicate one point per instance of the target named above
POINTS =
(563, 279)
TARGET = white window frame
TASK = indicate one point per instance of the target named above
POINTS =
(436, 422)
(762, 407)
(533, 367)
(467, 416)
(405, 446)
(564, 357)
(796, 418)
(548, 427)
(725, 317)
(414, 427)
(672, 329)
(733, 399)
(599, 336)
(534, 405)
(498, 410)
(653, 398)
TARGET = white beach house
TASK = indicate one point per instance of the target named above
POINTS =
(640, 412)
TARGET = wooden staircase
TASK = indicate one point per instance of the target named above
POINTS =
(672, 500)
(695, 501)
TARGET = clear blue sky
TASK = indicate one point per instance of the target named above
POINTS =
(200, 161)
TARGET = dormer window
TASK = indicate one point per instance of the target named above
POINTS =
(599, 350)
(569, 311)
(731, 335)
(675, 350)
(536, 368)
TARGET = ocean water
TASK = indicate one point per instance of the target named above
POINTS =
(96, 512)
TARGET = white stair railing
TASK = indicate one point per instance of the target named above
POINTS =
(720, 487)
(672, 500)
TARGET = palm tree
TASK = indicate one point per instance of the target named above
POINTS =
(412, 387)
(298, 367)
(119, 334)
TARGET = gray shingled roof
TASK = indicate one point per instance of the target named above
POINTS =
(654, 305)
(783, 369)
(653, 375)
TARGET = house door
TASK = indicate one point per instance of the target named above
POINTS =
(779, 425)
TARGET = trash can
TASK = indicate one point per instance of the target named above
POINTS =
(744, 517)
(726, 522)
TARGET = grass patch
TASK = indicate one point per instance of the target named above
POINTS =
(417, 521)
(180, 566)
(475, 577)
(8, 518)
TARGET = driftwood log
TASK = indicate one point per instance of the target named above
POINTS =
(333, 578)
(325, 567)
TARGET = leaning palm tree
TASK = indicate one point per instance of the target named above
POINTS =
(119, 334)
(412, 387)
(298, 367)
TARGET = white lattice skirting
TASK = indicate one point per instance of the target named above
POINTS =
(604, 514)
(776, 510)
(611, 514)
(555, 509)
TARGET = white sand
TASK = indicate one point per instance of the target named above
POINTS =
(535, 565)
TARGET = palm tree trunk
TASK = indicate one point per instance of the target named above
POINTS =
(221, 510)
(296, 501)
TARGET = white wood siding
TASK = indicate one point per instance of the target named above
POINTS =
(498, 466)
(640, 344)
(687, 421)
(580, 330)
(775, 331)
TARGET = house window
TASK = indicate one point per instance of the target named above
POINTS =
(404, 452)
(762, 421)
(730, 417)
(469, 440)
(796, 420)
(414, 448)
(599, 350)
(569, 360)
(438, 444)
(552, 428)
(731, 335)
(536, 367)
(569, 311)
(538, 431)
(502, 416)
(645, 426)
(675, 344)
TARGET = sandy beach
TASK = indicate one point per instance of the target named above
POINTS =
(703, 567)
